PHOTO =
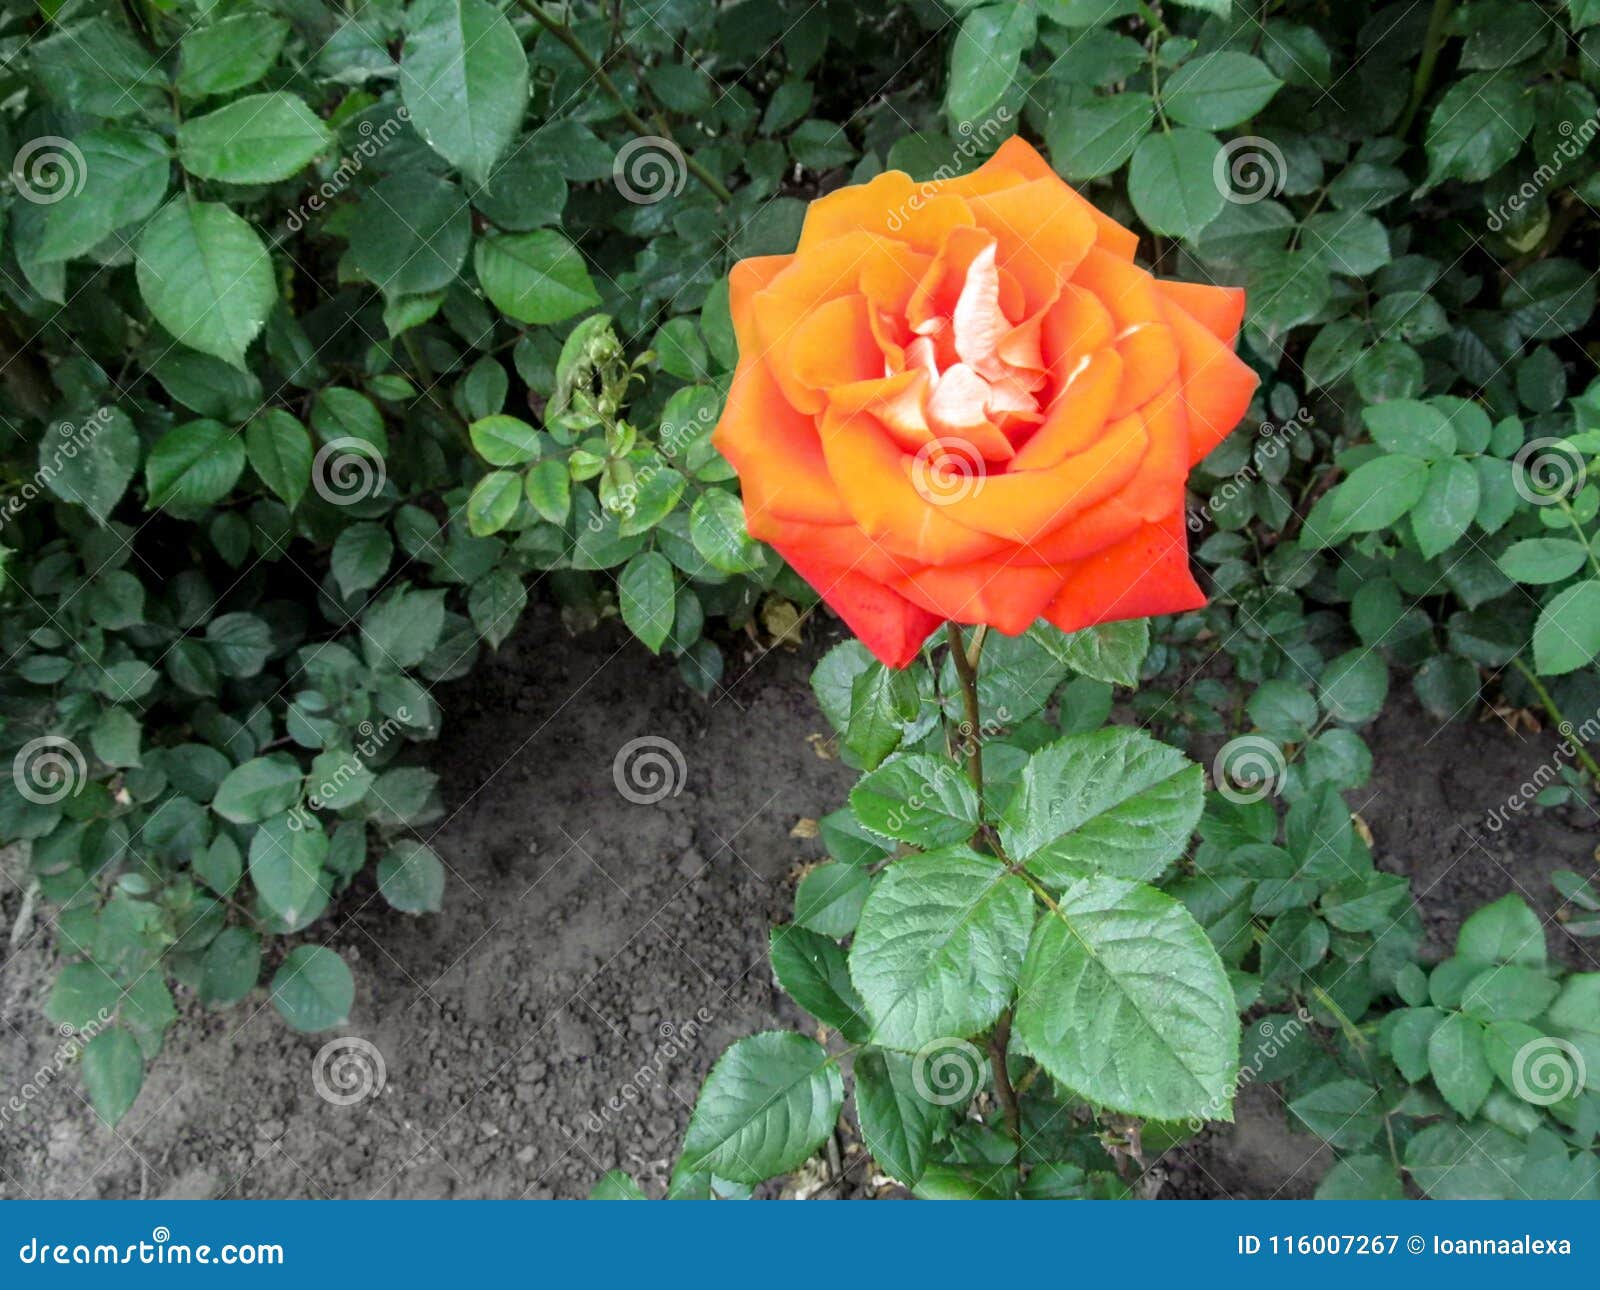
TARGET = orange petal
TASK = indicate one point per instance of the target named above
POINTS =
(1149, 364)
(885, 622)
(745, 279)
(782, 472)
(874, 477)
(1217, 384)
(891, 205)
(1219, 310)
(1022, 506)
(1042, 231)
(1076, 416)
(835, 345)
(1018, 161)
(896, 401)
(1008, 597)
(1147, 573)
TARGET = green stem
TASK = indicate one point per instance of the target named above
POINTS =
(966, 665)
(999, 1040)
(636, 123)
(1423, 80)
(1580, 749)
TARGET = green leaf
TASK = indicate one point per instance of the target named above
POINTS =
(1410, 426)
(1124, 1000)
(549, 490)
(1114, 801)
(230, 967)
(1567, 635)
(228, 55)
(259, 139)
(1378, 492)
(84, 996)
(464, 80)
(716, 527)
(313, 989)
(1507, 931)
(278, 448)
(411, 878)
(1448, 504)
(812, 969)
(258, 789)
(1218, 90)
(1111, 652)
(90, 464)
(410, 235)
(1172, 181)
(125, 176)
(193, 466)
(1457, 1063)
(1476, 127)
(938, 946)
(361, 556)
(1345, 1113)
(113, 1072)
(493, 502)
(927, 801)
(898, 1121)
(985, 56)
(495, 603)
(401, 628)
(829, 899)
(115, 738)
(1087, 140)
(647, 596)
(1353, 687)
(206, 277)
(1541, 560)
(767, 1105)
(505, 441)
(615, 1184)
(537, 277)
(286, 855)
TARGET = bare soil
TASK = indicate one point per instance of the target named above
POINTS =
(597, 954)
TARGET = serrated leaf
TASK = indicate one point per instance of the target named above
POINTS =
(938, 946)
(1114, 801)
(767, 1105)
(1124, 1000)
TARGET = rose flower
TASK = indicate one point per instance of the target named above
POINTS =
(964, 401)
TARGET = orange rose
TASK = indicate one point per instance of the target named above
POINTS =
(963, 400)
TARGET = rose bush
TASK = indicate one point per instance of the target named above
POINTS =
(962, 400)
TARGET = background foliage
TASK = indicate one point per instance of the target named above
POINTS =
(331, 334)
